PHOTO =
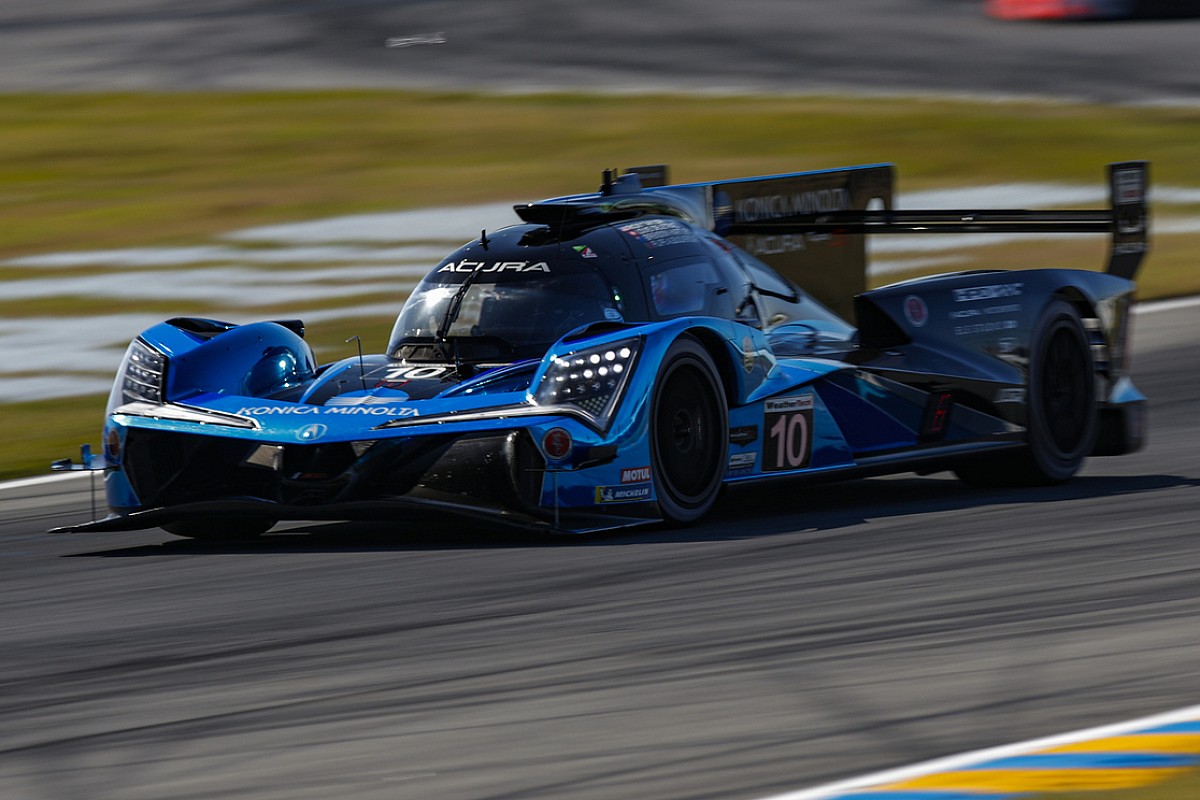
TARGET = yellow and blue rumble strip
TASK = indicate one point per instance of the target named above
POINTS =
(1122, 756)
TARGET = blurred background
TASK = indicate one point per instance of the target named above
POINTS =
(248, 159)
(149, 154)
(239, 158)
(789, 46)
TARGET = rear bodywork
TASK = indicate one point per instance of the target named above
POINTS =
(210, 420)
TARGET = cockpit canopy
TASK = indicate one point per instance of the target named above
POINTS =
(503, 310)
(519, 290)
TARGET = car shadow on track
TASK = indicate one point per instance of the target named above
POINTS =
(762, 510)
(743, 514)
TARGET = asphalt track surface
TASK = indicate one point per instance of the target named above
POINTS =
(794, 638)
(871, 46)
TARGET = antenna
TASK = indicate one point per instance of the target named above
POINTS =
(483, 240)
(362, 378)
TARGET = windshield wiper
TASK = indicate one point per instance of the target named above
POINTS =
(455, 304)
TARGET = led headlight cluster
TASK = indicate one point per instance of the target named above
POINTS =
(143, 374)
(590, 380)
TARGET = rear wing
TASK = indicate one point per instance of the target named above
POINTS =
(1125, 219)
(811, 226)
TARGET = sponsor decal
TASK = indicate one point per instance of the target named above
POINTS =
(1010, 308)
(741, 461)
(557, 443)
(775, 245)
(612, 315)
(788, 422)
(354, 411)
(743, 435)
(772, 206)
(658, 232)
(277, 411)
(584, 251)
(915, 311)
(985, 327)
(967, 313)
(993, 292)
(1006, 346)
(311, 432)
(494, 266)
(1129, 186)
(361, 401)
(623, 494)
(398, 374)
(635, 475)
(722, 211)
(1010, 396)
(799, 403)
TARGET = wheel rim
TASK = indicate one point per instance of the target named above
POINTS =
(686, 435)
(1066, 399)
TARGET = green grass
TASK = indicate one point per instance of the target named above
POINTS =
(1184, 787)
(37, 433)
(87, 171)
(93, 171)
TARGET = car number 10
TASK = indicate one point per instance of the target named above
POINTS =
(788, 423)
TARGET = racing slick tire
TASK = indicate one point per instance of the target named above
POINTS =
(1062, 409)
(220, 529)
(689, 441)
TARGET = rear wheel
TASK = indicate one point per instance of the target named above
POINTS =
(1062, 410)
(218, 529)
(689, 432)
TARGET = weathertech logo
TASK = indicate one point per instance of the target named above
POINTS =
(635, 475)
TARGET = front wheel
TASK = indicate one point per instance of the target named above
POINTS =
(1062, 410)
(689, 438)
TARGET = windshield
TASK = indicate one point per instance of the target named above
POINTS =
(501, 315)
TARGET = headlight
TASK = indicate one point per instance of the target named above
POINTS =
(591, 380)
(141, 378)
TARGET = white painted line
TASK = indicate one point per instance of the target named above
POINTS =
(963, 760)
(21, 483)
(1167, 305)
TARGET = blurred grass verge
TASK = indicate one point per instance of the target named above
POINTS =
(1182, 787)
(95, 171)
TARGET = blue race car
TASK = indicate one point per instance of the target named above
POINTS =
(623, 356)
